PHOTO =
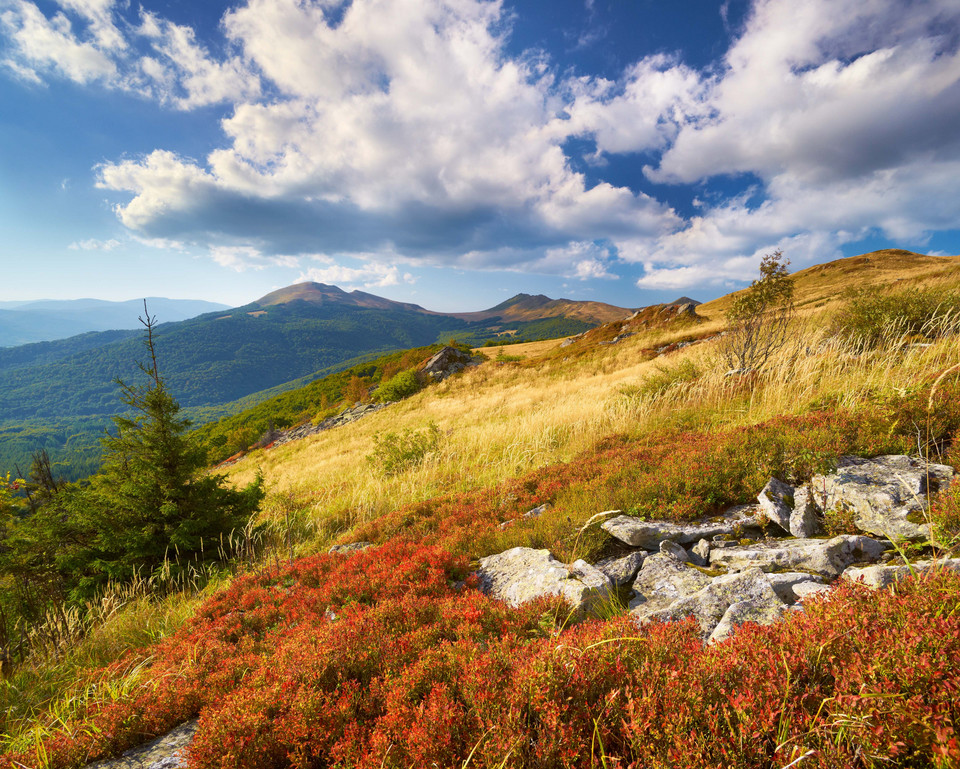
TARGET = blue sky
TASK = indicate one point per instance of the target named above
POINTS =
(455, 152)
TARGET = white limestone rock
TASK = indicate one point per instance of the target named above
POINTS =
(824, 557)
(887, 494)
(524, 574)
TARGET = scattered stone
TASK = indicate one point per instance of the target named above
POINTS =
(806, 517)
(700, 553)
(785, 584)
(710, 603)
(352, 547)
(881, 576)
(622, 570)
(166, 752)
(776, 500)
(537, 511)
(663, 580)
(887, 494)
(523, 574)
(804, 590)
(672, 550)
(649, 534)
(827, 558)
(762, 612)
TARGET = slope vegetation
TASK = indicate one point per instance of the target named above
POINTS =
(59, 395)
(391, 658)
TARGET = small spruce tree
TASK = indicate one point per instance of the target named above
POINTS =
(153, 498)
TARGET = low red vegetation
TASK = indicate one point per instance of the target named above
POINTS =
(391, 658)
(383, 659)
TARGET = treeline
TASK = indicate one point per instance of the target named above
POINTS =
(151, 510)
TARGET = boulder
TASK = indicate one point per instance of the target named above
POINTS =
(700, 553)
(762, 612)
(882, 576)
(622, 570)
(663, 580)
(776, 502)
(806, 518)
(709, 604)
(637, 532)
(446, 362)
(803, 590)
(824, 557)
(524, 574)
(672, 550)
(786, 584)
(886, 494)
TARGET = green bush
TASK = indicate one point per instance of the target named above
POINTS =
(869, 317)
(665, 377)
(396, 452)
(398, 387)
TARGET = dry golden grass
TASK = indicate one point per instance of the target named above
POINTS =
(822, 286)
(502, 420)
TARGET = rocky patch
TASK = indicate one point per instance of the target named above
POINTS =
(636, 532)
(750, 564)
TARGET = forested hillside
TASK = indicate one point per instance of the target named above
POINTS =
(59, 395)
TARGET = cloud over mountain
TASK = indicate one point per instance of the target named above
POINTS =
(406, 131)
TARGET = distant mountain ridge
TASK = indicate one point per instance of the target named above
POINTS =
(60, 394)
(49, 319)
(521, 307)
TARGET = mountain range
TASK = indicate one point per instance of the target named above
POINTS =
(46, 320)
(60, 394)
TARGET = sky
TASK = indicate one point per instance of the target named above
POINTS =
(453, 153)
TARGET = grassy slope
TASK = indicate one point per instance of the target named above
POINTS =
(525, 420)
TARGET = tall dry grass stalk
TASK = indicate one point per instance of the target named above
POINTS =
(500, 421)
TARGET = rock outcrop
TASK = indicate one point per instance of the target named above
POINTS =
(750, 564)
(166, 752)
(825, 557)
(885, 575)
(886, 494)
(637, 532)
(448, 361)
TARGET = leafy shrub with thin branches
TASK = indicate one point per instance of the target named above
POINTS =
(395, 452)
(759, 317)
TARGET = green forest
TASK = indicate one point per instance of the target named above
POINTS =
(60, 395)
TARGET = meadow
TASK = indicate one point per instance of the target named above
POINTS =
(391, 658)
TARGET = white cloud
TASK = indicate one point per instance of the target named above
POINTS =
(52, 43)
(95, 245)
(243, 258)
(372, 275)
(405, 129)
(89, 41)
(22, 72)
(845, 112)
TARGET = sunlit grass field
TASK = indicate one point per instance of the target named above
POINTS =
(544, 422)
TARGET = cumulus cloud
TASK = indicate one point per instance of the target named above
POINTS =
(845, 111)
(372, 275)
(405, 128)
(90, 41)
